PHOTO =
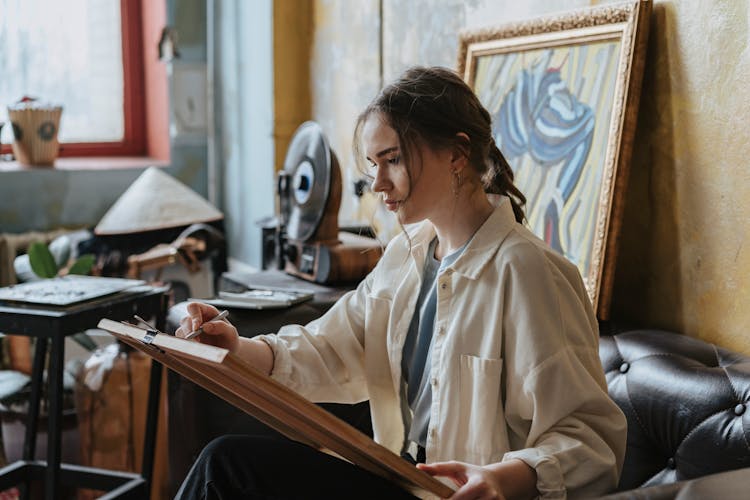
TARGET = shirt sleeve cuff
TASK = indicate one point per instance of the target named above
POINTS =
(282, 365)
(549, 478)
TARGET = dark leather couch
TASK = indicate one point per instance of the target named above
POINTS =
(687, 403)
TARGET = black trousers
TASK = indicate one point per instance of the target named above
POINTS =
(261, 467)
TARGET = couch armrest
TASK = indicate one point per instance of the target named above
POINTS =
(731, 484)
(686, 402)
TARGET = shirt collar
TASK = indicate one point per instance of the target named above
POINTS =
(480, 249)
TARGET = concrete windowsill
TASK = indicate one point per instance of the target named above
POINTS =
(88, 163)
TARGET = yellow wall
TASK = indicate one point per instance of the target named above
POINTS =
(292, 37)
(683, 264)
(345, 76)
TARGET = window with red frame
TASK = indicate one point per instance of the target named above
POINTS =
(84, 55)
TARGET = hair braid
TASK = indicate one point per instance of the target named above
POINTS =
(499, 180)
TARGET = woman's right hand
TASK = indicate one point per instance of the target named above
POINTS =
(217, 333)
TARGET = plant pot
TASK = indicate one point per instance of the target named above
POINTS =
(35, 128)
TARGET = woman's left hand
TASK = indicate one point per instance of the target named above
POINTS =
(473, 481)
(510, 479)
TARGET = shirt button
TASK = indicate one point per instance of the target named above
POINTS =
(444, 286)
(433, 433)
(441, 330)
(434, 382)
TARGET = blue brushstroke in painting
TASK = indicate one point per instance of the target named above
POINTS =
(541, 117)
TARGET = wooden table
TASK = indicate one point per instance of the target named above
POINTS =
(52, 324)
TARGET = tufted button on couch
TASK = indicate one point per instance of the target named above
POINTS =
(687, 405)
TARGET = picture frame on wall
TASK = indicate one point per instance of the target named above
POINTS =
(563, 93)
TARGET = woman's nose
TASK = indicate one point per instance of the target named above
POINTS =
(380, 183)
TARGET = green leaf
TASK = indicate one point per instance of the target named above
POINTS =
(83, 265)
(41, 260)
(84, 341)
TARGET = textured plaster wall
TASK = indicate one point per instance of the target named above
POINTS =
(683, 262)
(344, 77)
(292, 33)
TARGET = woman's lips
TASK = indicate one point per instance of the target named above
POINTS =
(391, 205)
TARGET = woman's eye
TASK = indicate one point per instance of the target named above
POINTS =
(395, 160)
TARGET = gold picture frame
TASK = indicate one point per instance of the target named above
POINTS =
(563, 92)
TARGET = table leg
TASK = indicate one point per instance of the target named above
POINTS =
(54, 431)
(152, 418)
(152, 412)
(37, 374)
(32, 424)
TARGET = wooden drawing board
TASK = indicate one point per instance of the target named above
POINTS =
(237, 382)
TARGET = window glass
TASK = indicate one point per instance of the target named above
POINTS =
(69, 53)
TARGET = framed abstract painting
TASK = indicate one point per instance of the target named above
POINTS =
(563, 93)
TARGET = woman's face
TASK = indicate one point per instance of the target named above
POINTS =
(421, 197)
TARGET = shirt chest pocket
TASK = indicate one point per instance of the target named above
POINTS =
(482, 417)
(377, 319)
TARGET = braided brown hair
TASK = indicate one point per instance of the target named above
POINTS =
(434, 105)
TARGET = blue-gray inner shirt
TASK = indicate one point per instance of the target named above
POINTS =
(416, 356)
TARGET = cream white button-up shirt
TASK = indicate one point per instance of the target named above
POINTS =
(515, 358)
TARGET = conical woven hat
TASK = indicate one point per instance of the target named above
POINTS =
(156, 200)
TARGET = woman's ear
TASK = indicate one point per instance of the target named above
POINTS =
(461, 151)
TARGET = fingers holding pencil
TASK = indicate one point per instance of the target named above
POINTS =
(223, 314)
(209, 326)
(197, 314)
